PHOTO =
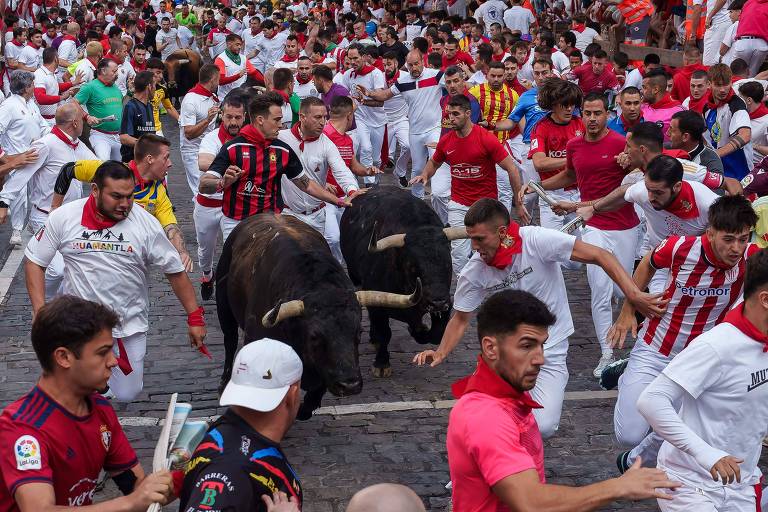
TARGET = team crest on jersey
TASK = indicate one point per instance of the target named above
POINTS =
(27, 450)
(106, 437)
(749, 178)
(686, 205)
(272, 157)
(578, 133)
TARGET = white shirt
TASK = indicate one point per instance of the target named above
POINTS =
(536, 270)
(269, 50)
(729, 118)
(370, 116)
(31, 57)
(109, 266)
(634, 79)
(232, 69)
(519, 18)
(86, 69)
(12, 52)
(194, 108)
(422, 95)
(47, 80)
(40, 176)
(20, 124)
(317, 158)
(305, 90)
(299, 10)
(249, 43)
(125, 72)
(186, 38)
(490, 11)
(478, 78)
(759, 136)
(584, 38)
(171, 39)
(281, 64)
(235, 25)
(210, 145)
(160, 15)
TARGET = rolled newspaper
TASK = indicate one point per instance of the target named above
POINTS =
(160, 457)
(542, 193)
(105, 119)
(573, 225)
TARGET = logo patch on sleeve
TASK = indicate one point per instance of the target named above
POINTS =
(27, 450)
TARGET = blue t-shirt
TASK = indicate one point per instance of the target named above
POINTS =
(528, 107)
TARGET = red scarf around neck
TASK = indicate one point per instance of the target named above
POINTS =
(202, 91)
(394, 78)
(297, 133)
(684, 205)
(92, 219)
(64, 137)
(138, 67)
(629, 124)
(666, 101)
(254, 136)
(510, 246)
(283, 95)
(714, 104)
(67, 37)
(697, 105)
(16, 43)
(303, 81)
(736, 318)
(579, 27)
(224, 135)
(760, 111)
(366, 69)
(286, 58)
(485, 380)
(33, 45)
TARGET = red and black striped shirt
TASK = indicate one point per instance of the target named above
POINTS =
(258, 188)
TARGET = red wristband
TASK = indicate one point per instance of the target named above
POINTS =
(196, 318)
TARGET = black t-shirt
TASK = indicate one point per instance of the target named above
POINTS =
(233, 467)
(399, 48)
(138, 119)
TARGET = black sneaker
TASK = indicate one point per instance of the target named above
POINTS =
(206, 286)
(402, 181)
(622, 462)
(609, 379)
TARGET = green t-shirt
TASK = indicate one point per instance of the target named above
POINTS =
(191, 19)
(295, 101)
(102, 101)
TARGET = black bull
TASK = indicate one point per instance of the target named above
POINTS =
(390, 239)
(277, 278)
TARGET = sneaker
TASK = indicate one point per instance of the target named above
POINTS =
(402, 182)
(15, 238)
(609, 379)
(206, 285)
(605, 360)
(622, 462)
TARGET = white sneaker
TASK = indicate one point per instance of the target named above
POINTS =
(605, 360)
(15, 238)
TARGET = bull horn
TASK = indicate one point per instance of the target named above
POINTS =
(183, 61)
(369, 298)
(388, 242)
(455, 233)
(284, 311)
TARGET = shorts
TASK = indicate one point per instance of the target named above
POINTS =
(639, 30)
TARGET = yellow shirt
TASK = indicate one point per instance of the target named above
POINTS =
(160, 97)
(150, 195)
(495, 105)
(761, 228)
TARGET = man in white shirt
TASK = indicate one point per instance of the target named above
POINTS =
(68, 47)
(31, 55)
(526, 258)
(490, 12)
(20, 124)
(13, 49)
(167, 39)
(163, 14)
(108, 247)
(710, 405)
(49, 92)
(519, 18)
(251, 36)
(87, 67)
(303, 85)
(55, 149)
(269, 47)
(397, 120)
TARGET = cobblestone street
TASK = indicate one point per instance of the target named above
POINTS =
(339, 451)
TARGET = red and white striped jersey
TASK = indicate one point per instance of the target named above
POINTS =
(700, 288)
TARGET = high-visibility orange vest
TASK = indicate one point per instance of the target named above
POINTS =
(689, 20)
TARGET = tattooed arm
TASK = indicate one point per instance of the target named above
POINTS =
(175, 236)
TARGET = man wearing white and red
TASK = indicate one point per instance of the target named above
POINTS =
(421, 88)
(240, 461)
(270, 46)
(706, 278)
(396, 110)
(216, 40)
(290, 57)
(473, 153)
(495, 452)
(318, 154)
(234, 67)
(108, 247)
(54, 150)
(256, 187)
(207, 213)
(199, 109)
(710, 405)
(72, 339)
(49, 92)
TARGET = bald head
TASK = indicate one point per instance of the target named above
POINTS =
(414, 61)
(73, 29)
(66, 113)
(385, 498)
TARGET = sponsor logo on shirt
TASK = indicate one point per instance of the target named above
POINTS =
(466, 171)
(692, 291)
(81, 493)
(102, 240)
(106, 436)
(212, 485)
(511, 279)
(266, 482)
(759, 378)
(27, 450)
(250, 189)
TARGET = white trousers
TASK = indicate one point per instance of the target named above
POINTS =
(227, 225)
(420, 153)
(369, 140)
(518, 150)
(441, 191)
(622, 245)
(332, 219)
(461, 250)
(689, 498)
(189, 161)
(19, 206)
(127, 387)
(549, 219)
(106, 146)
(54, 272)
(713, 37)
(319, 221)
(550, 388)
(208, 223)
(397, 133)
(753, 51)
(504, 188)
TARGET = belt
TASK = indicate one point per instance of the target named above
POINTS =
(322, 205)
(104, 131)
(41, 210)
(748, 37)
(48, 117)
(209, 202)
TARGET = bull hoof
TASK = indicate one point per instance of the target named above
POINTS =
(304, 413)
(382, 372)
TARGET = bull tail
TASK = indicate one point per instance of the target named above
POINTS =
(227, 320)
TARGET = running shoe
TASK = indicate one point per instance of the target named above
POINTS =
(15, 238)
(206, 286)
(609, 379)
(622, 462)
(605, 360)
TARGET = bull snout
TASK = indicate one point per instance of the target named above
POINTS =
(347, 387)
(438, 306)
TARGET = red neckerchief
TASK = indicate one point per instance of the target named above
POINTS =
(579, 27)
(510, 246)
(224, 135)
(736, 318)
(139, 180)
(303, 81)
(67, 37)
(498, 58)
(366, 69)
(272, 36)
(112, 58)
(713, 104)
(286, 58)
(202, 91)
(710, 254)
(297, 133)
(666, 101)
(92, 219)
(759, 112)
(684, 205)
(697, 105)
(137, 67)
(33, 45)
(16, 43)
(628, 124)
(283, 94)
(64, 137)
(394, 78)
(484, 380)
(254, 136)
(676, 153)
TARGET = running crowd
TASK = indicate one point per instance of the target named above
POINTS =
(509, 119)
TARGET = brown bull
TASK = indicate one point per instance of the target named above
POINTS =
(182, 68)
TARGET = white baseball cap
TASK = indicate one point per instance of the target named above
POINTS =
(262, 373)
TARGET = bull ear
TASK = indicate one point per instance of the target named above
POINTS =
(290, 309)
(456, 233)
(370, 298)
(388, 242)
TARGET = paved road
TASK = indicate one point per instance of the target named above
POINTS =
(338, 454)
